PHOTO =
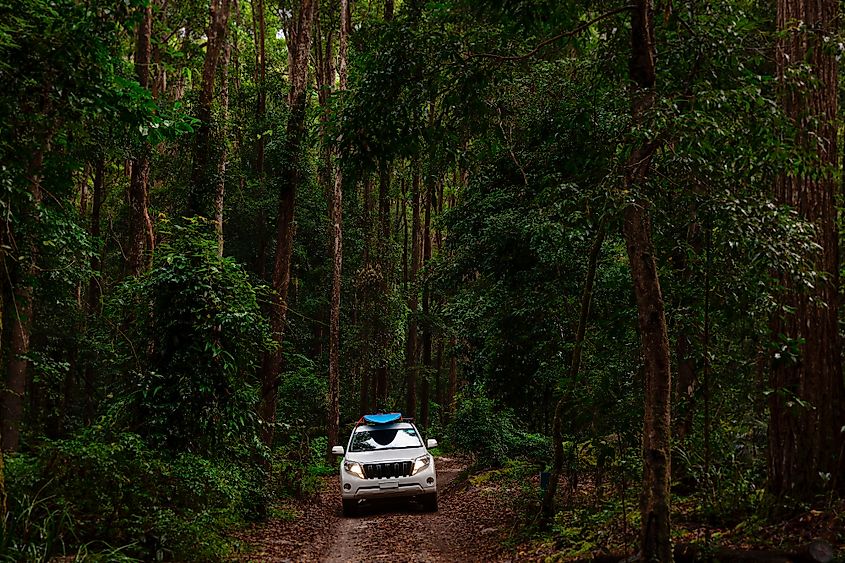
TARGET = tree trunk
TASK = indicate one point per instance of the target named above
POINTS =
(651, 318)
(12, 397)
(425, 383)
(452, 389)
(805, 438)
(299, 46)
(381, 374)
(336, 217)
(141, 239)
(411, 345)
(220, 180)
(260, 112)
(202, 189)
(548, 505)
(261, 109)
(94, 290)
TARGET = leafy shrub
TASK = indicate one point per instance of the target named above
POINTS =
(302, 398)
(492, 434)
(96, 491)
(196, 333)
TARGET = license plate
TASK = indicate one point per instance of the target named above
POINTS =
(389, 485)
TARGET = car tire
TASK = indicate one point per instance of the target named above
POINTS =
(429, 502)
(350, 507)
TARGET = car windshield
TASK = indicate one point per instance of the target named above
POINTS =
(387, 439)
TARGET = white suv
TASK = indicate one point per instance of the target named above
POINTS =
(385, 458)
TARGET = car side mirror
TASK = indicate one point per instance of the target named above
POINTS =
(337, 450)
(431, 443)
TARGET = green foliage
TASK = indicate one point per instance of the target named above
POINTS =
(195, 333)
(96, 490)
(490, 433)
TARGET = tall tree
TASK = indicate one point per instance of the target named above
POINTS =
(426, 306)
(298, 35)
(805, 437)
(259, 18)
(12, 405)
(222, 159)
(383, 247)
(651, 317)
(411, 346)
(548, 504)
(261, 108)
(336, 218)
(204, 185)
(141, 238)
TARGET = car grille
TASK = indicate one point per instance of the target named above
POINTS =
(394, 469)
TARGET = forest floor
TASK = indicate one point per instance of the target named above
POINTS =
(478, 521)
(469, 526)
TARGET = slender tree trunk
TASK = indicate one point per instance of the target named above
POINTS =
(807, 413)
(202, 191)
(299, 46)
(220, 180)
(260, 113)
(452, 390)
(548, 505)
(388, 10)
(94, 290)
(336, 217)
(12, 397)
(16, 378)
(411, 366)
(141, 239)
(654, 338)
(261, 109)
(385, 270)
(425, 382)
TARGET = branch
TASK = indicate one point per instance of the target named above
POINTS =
(551, 40)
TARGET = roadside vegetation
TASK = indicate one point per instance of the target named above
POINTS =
(591, 247)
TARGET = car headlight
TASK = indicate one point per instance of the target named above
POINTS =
(421, 463)
(354, 468)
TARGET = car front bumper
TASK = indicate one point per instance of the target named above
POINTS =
(353, 487)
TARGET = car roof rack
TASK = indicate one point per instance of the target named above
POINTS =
(383, 418)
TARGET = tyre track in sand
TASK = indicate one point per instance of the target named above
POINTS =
(468, 527)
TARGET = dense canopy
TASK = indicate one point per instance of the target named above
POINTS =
(591, 246)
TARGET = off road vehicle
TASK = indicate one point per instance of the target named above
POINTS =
(384, 459)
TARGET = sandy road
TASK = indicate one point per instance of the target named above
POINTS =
(399, 532)
(467, 528)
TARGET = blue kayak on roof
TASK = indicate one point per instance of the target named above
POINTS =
(386, 418)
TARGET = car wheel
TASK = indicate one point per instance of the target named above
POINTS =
(429, 502)
(350, 507)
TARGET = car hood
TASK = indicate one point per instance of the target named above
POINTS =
(381, 456)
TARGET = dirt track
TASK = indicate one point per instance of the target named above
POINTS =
(467, 527)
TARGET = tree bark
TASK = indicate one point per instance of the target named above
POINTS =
(336, 217)
(806, 405)
(94, 290)
(425, 382)
(203, 184)
(452, 389)
(299, 46)
(220, 180)
(548, 505)
(383, 247)
(261, 109)
(411, 349)
(651, 319)
(141, 239)
(12, 397)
